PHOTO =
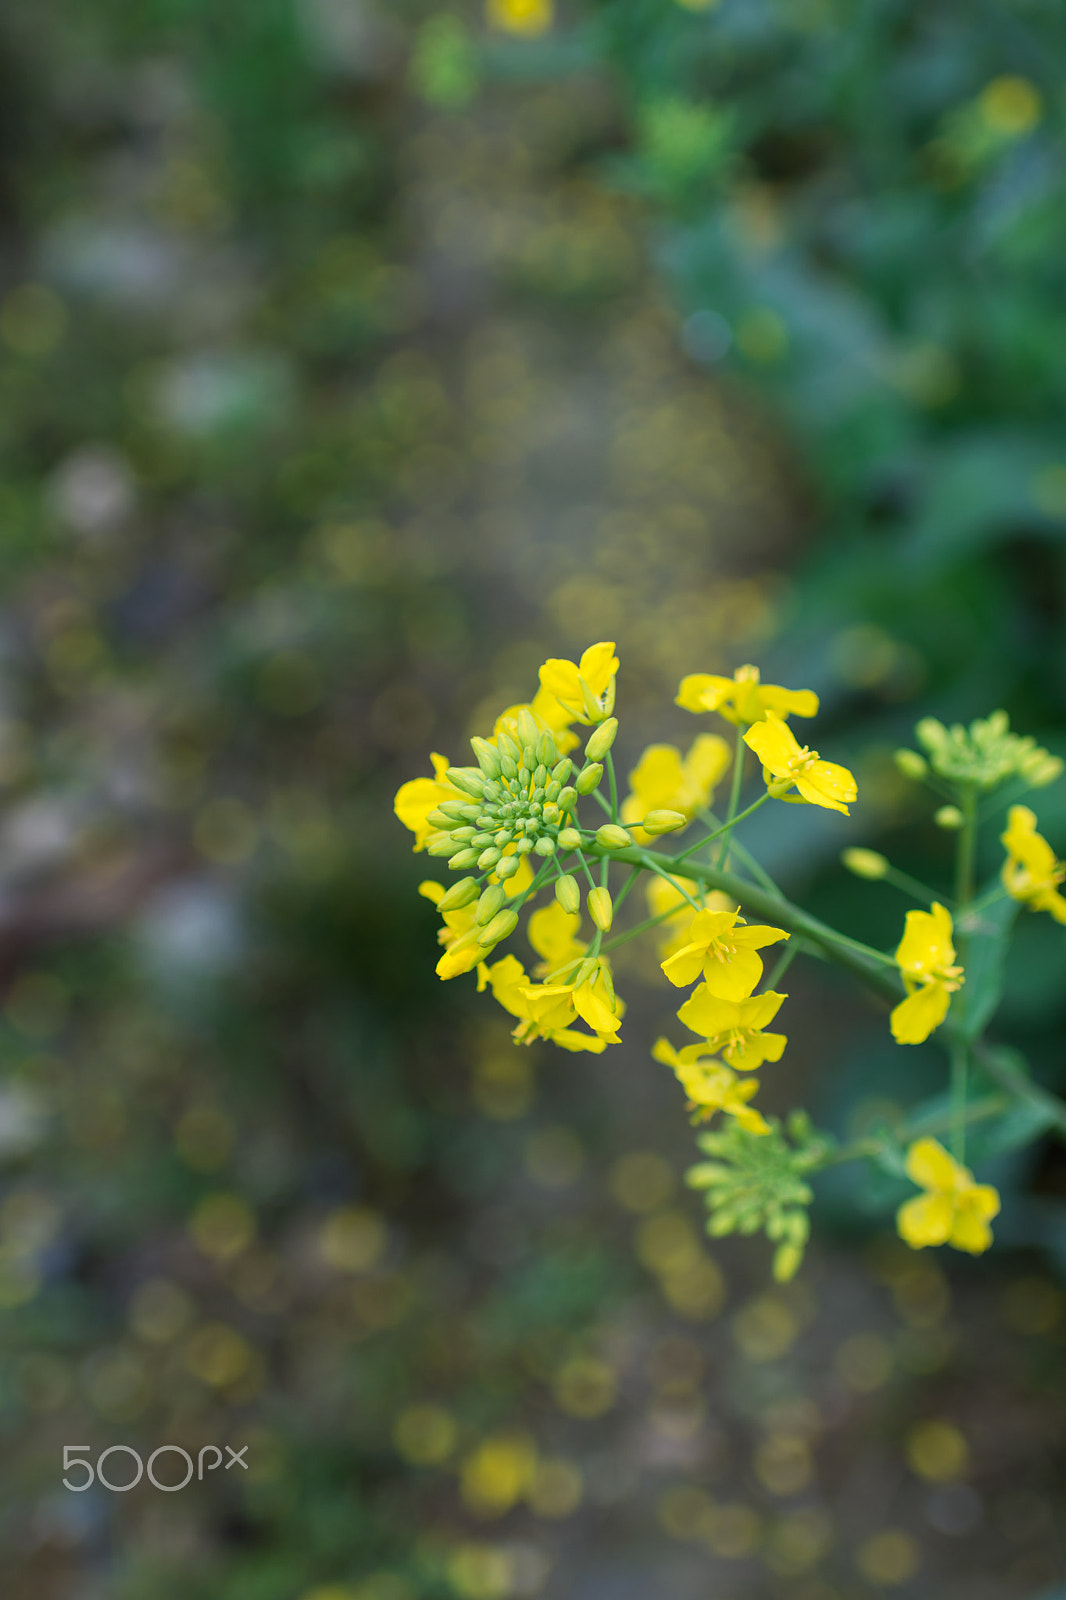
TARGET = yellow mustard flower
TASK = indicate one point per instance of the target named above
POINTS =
(733, 1029)
(529, 18)
(664, 780)
(462, 953)
(509, 984)
(925, 958)
(1031, 872)
(416, 799)
(743, 698)
(585, 689)
(552, 933)
(954, 1210)
(666, 900)
(820, 783)
(725, 950)
(589, 997)
(712, 1087)
(549, 716)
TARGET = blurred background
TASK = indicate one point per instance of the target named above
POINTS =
(354, 357)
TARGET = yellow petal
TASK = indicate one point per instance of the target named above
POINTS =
(786, 702)
(462, 956)
(733, 979)
(827, 784)
(707, 761)
(704, 1013)
(970, 1231)
(925, 1220)
(702, 691)
(929, 1165)
(914, 1019)
(573, 1039)
(686, 965)
(414, 801)
(598, 666)
(773, 742)
(551, 932)
(656, 778)
(431, 891)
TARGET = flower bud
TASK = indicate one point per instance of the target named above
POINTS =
(588, 778)
(460, 894)
(545, 845)
(509, 767)
(601, 740)
(567, 893)
(487, 756)
(562, 769)
(441, 819)
(1040, 769)
(528, 732)
(569, 838)
(508, 866)
(547, 754)
(911, 764)
(612, 837)
(502, 926)
(524, 846)
(664, 821)
(864, 863)
(488, 858)
(507, 747)
(494, 899)
(471, 780)
(566, 799)
(442, 845)
(601, 908)
(949, 817)
(465, 858)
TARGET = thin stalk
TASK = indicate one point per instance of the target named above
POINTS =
(614, 786)
(653, 866)
(965, 851)
(602, 803)
(960, 1068)
(641, 927)
(725, 828)
(630, 881)
(585, 869)
(743, 855)
(915, 887)
(734, 793)
(784, 961)
(977, 1111)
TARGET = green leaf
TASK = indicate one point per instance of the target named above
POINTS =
(982, 939)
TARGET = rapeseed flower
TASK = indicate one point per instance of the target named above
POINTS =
(725, 950)
(666, 900)
(820, 783)
(712, 1087)
(530, 18)
(417, 798)
(552, 933)
(587, 995)
(733, 1029)
(585, 689)
(925, 958)
(663, 779)
(511, 988)
(462, 953)
(1031, 872)
(743, 698)
(549, 716)
(954, 1210)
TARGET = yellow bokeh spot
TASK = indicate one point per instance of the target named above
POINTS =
(222, 1226)
(219, 1355)
(1010, 106)
(556, 1489)
(585, 1387)
(424, 1434)
(864, 1361)
(498, 1473)
(798, 1542)
(783, 1464)
(686, 1512)
(734, 1532)
(529, 18)
(642, 1181)
(762, 336)
(353, 1239)
(480, 1572)
(937, 1450)
(159, 1311)
(1049, 490)
(888, 1558)
(765, 1329)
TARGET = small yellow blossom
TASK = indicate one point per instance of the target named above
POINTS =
(667, 901)
(711, 1087)
(552, 933)
(1031, 872)
(725, 950)
(511, 989)
(954, 1210)
(821, 783)
(664, 780)
(925, 958)
(584, 690)
(589, 997)
(743, 698)
(734, 1028)
(416, 799)
(530, 18)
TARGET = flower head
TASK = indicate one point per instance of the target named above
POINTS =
(742, 698)
(587, 995)
(1031, 872)
(725, 950)
(954, 1210)
(462, 953)
(821, 783)
(664, 780)
(986, 753)
(585, 689)
(712, 1087)
(548, 716)
(666, 900)
(511, 988)
(926, 957)
(528, 17)
(733, 1029)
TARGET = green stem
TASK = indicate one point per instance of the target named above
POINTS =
(725, 828)
(585, 869)
(602, 803)
(914, 886)
(630, 881)
(960, 1065)
(614, 787)
(743, 855)
(977, 1111)
(653, 865)
(641, 927)
(967, 842)
(793, 948)
(734, 793)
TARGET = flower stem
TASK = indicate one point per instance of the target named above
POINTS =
(614, 787)
(726, 827)
(914, 886)
(967, 841)
(653, 864)
(744, 856)
(960, 1064)
(784, 961)
(734, 794)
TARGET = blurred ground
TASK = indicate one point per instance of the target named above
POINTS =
(325, 415)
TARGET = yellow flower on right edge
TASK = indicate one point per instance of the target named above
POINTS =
(1031, 872)
(925, 958)
(953, 1210)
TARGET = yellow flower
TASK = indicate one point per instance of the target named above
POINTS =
(549, 716)
(954, 1210)
(665, 900)
(462, 953)
(662, 780)
(734, 1028)
(528, 17)
(711, 1087)
(925, 958)
(416, 799)
(742, 698)
(588, 996)
(1031, 872)
(552, 933)
(724, 950)
(584, 690)
(821, 783)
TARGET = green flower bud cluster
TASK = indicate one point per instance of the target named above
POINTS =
(984, 755)
(519, 796)
(757, 1181)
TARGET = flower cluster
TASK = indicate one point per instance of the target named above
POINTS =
(1031, 872)
(985, 754)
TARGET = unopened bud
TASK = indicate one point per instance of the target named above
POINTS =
(612, 837)
(562, 769)
(460, 894)
(509, 767)
(566, 799)
(442, 845)
(464, 859)
(494, 899)
(507, 747)
(502, 926)
(588, 778)
(911, 764)
(546, 751)
(488, 858)
(588, 969)
(601, 908)
(601, 740)
(528, 732)
(487, 757)
(569, 838)
(864, 863)
(471, 780)
(949, 817)
(567, 893)
(1040, 769)
(664, 821)
(545, 845)
(507, 866)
